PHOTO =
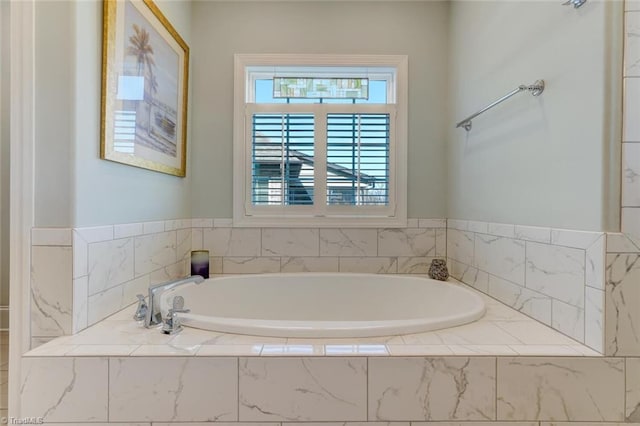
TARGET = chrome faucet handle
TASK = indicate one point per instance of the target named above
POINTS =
(141, 311)
(171, 324)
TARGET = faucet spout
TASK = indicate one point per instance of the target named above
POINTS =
(153, 314)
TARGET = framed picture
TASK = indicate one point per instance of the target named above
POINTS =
(145, 69)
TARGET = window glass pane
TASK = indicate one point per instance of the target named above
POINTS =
(264, 93)
(358, 159)
(377, 93)
(282, 159)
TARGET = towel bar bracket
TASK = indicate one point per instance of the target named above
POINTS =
(536, 88)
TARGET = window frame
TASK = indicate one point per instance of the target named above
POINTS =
(322, 214)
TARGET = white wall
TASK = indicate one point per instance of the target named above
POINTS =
(221, 29)
(4, 158)
(53, 109)
(538, 161)
(108, 192)
(74, 187)
(550, 160)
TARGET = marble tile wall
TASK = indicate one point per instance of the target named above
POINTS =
(80, 276)
(622, 298)
(288, 390)
(51, 276)
(109, 265)
(369, 250)
(631, 127)
(555, 276)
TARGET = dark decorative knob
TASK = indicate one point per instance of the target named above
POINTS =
(438, 270)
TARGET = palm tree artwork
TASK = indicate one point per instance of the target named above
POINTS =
(140, 47)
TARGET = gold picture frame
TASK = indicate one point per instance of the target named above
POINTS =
(145, 75)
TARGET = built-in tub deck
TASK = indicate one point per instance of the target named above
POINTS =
(502, 331)
(504, 367)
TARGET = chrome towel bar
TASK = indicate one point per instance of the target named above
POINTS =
(536, 89)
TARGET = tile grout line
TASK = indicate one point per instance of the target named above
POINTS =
(526, 246)
(367, 392)
(473, 250)
(625, 366)
(495, 401)
(584, 314)
(109, 389)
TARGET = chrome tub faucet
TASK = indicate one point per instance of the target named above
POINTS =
(150, 310)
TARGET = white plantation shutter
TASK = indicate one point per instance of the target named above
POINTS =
(282, 159)
(358, 159)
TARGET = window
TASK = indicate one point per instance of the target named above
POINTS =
(320, 140)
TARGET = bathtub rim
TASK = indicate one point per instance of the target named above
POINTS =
(327, 329)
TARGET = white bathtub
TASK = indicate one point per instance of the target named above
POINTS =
(325, 305)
